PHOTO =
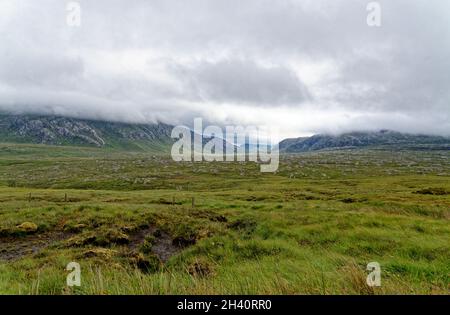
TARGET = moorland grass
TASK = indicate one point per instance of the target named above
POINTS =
(311, 228)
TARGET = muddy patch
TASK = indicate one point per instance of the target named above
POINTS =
(149, 241)
(153, 240)
(13, 248)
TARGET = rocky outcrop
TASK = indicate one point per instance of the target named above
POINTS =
(70, 131)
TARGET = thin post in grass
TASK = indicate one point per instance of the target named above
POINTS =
(65, 197)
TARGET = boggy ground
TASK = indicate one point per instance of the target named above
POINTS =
(131, 222)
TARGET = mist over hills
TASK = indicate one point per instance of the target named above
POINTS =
(58, 130)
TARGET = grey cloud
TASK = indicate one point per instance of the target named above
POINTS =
(21, 68)
(243, 81)
(173, 60)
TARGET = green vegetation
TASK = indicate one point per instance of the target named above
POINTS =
(140, 223)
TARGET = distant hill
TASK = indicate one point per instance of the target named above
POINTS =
(365, 139)
(54, 130)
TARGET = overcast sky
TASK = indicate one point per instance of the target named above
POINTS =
(304, 66)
